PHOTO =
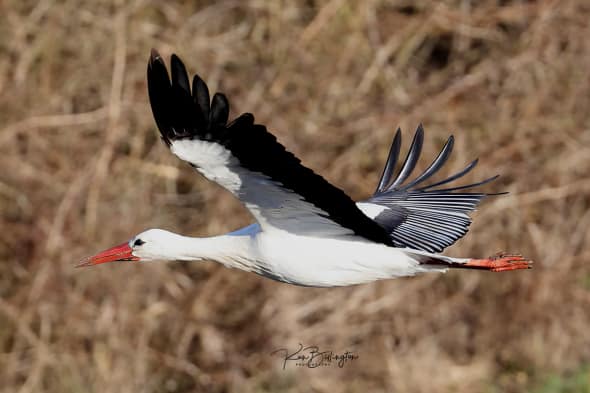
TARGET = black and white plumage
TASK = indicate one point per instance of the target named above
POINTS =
(307, 231)
(260, 163)
(424, 217)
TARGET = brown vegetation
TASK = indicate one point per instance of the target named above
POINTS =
(83, 169)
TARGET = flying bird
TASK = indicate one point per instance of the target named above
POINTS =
(307, 231)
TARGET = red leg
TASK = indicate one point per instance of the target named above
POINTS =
(500, 263)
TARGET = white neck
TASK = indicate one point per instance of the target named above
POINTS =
(230, 250)
(197, 248)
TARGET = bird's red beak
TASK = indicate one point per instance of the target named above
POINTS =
(122, 252)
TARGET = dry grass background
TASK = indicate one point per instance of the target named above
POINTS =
(83, 169)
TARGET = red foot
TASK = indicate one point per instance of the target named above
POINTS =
(501, 263)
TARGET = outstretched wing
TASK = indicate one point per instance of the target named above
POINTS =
(244, 158)
(428, 218)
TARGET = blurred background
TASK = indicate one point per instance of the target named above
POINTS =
(83, 169)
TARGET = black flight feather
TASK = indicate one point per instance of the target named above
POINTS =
(201, 98)
(411, 159)
(387, 176)
(219, 111)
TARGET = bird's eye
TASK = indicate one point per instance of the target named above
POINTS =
(138, 242)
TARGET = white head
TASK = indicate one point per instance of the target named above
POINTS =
(150, 245)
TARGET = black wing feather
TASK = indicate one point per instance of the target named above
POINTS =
(411, 159)
(179, 74)
(219, 111)
(201, 97)
(387, 175)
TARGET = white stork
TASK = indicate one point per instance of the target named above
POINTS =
(307, 231)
